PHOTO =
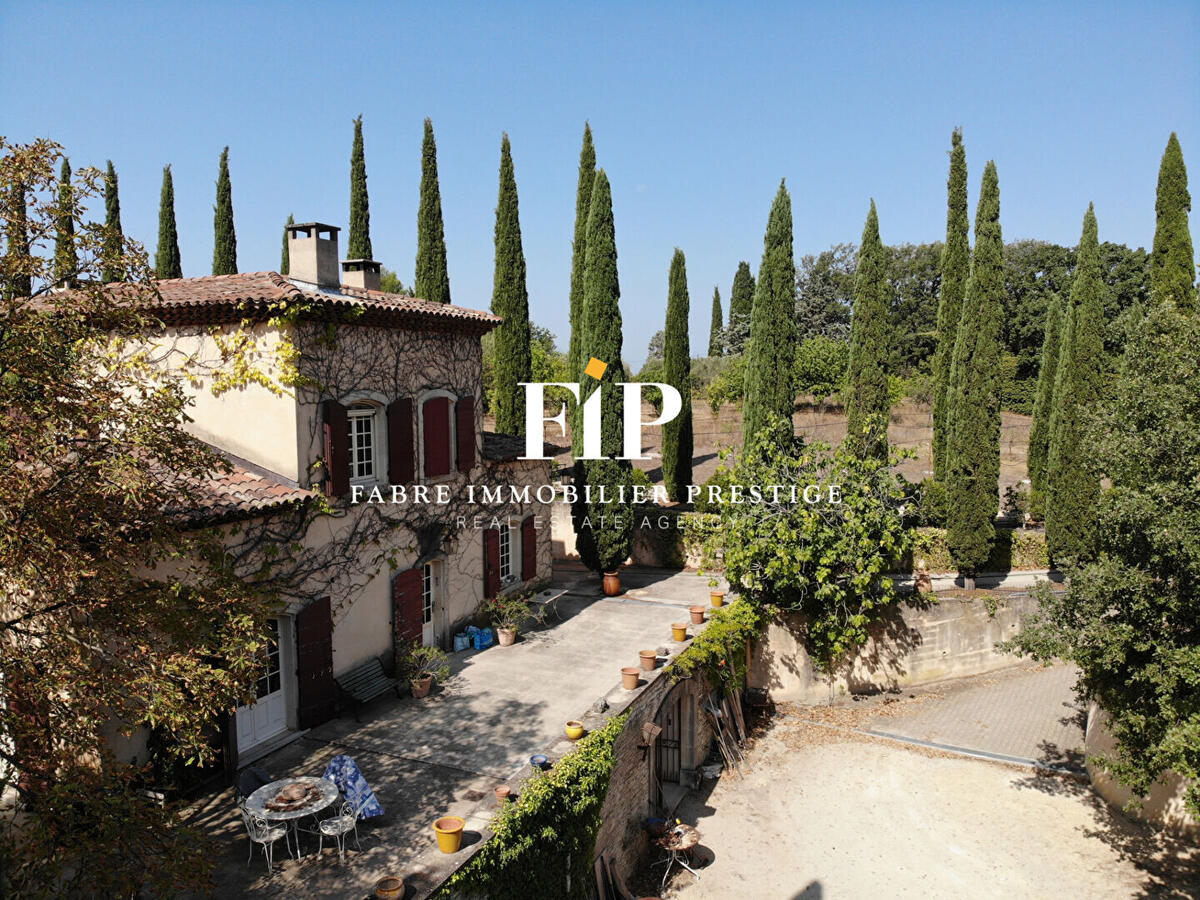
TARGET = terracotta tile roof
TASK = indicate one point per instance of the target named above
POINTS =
(238, 493)
(229, 298)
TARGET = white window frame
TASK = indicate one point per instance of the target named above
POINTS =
(360, 453)
(511, 529)
(428, 593)
(367, 405)
(421, 401)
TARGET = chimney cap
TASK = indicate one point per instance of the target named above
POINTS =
(309, 226)
(370, 265)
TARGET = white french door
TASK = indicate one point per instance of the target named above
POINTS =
(266, 717)
(431, 583)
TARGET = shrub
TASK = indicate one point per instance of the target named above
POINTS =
(729, 384)
(820, 366)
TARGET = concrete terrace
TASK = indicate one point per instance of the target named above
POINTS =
(443, 755)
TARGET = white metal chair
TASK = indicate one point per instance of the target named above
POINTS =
(337, 827)
(263, 833)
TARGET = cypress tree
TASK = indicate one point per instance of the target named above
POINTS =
(114, 239)
(66, 264)
(1072, 485)
(432, 277)
(583, 206)
(16, 239)
(771, 351)
(1172, 269)
(360, 206)
(510, 299)
(224, 236)
(285, 257)
(677, 372)
(716, 326)
(867, 403)
(1039, 435)
(955, 268)
(974, 445)
(605, 544)
(166, 257)
(741, 305)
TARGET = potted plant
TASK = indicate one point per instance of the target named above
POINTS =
(507, 613)
(421, 665)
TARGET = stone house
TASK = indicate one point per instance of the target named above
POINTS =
(361, 466)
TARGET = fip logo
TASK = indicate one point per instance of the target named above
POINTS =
(631, 400)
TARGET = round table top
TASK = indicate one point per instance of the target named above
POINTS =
(256, 803)
(680, 837)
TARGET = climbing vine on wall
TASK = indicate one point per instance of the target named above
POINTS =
(720, 649)
(543, 842)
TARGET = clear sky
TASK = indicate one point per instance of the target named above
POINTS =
(698, 110)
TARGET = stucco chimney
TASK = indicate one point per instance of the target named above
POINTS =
(313, 253)
(361, 273)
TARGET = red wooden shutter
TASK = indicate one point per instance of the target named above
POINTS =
(337, 448)
(464, 432)
(402, 467)
(314, 664)
(436, 436)
(528, 549)
(406, 605)
(491, 563)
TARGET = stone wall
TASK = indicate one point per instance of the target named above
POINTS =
(913, 645)
(1163, 807)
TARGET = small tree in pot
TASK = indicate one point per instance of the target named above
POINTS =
(421, 665)
(507, 613)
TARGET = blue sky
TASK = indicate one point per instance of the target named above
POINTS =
(698, 110)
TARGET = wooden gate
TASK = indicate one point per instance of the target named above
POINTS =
(668, 747)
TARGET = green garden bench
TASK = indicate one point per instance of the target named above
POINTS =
(365, 682)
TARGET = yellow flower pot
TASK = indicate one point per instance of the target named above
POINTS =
(449, 833)
(574, 730)
(679, 632)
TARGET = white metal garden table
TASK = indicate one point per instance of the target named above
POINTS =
(266, 802)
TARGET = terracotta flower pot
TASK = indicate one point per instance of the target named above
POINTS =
(697, 614)
(679, 632)
(717, 598)
(389, 888)
(629, 677)
(612, 584)
(502, 792)
(506, 636)
(449, 830)
(649, 660)
(574, 730)
(421, 686)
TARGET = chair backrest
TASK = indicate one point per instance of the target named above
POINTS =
(251, 779)
(256, 826)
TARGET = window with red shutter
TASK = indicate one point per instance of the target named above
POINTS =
(435, 436)
(528, 549)
(464, 433)
(314, 664)
(402, 465)
(407, 600)
(337, 448)
(491, 562)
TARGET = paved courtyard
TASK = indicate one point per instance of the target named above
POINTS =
(828, 809)
(444, 755)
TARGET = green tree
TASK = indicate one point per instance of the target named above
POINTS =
(825, 292)
(772, 348)
(583, 206)
(741, 305)
(826, 560)
(677, 370)
(606, 530)
(1039, 435)
(433, 277)
(66, 262)
(1131, 617)
(18, 261)
(914, 281)
(167, 263)
(956, 266)
(224, 236)
(974, 445)
(1071, 481)
(114, 242)
(510, 299)
(360, 205)
(867, 403)
(1172, 267)
(716, 326)
(285, 258)
(821, 366)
